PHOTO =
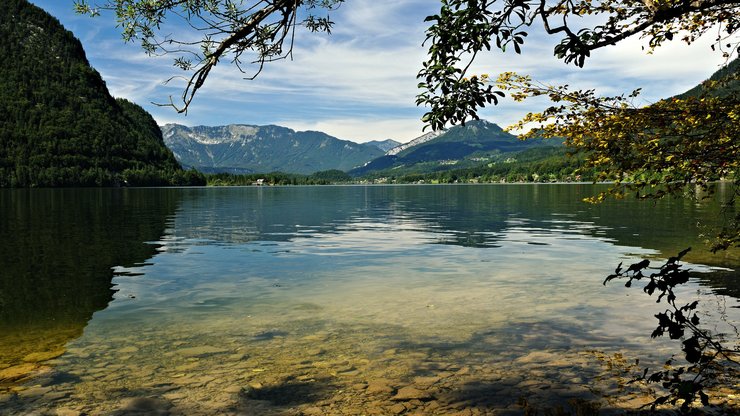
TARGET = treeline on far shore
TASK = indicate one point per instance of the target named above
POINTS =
(540, 165)
(535, 165)
(327, 177)
(96, 176)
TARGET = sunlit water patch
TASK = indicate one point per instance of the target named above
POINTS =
(356, 300)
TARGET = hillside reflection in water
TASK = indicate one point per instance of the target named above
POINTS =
(499, 271)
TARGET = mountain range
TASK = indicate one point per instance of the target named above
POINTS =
(239, 148)
(247, 149)
(61, 127)
(473, 144)
(480, 143)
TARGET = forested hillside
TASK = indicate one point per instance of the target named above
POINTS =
(730, 84)
(59, 126)
(478, 143)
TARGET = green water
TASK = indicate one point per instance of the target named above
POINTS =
(305, 299)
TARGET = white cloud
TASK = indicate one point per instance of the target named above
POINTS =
(361, 129)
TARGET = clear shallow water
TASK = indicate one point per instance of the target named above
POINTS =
(305, 299)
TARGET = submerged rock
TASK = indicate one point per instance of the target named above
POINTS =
(411, 393)
(378, 387)
(36, 357)
(201, 351)
(17, 372)
(426, 381)
(144, 406)
(128, 350)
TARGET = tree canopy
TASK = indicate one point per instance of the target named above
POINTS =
(465, 28)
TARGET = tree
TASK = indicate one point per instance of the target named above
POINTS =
(60, 125)
(251, 33)
(666, 148)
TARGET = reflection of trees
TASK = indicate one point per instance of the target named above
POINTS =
(477, 216)
(463, 215)
(58, 250)
(722, 282)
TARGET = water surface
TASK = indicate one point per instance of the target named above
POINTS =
(331, 300)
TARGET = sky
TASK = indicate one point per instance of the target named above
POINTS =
(359, 83)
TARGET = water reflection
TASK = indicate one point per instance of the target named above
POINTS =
(471, 216)
(58, 250)
(289, 288)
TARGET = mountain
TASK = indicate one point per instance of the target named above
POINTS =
(59, 126)
(384, 145)
(461, 146)
(239, 148)
(729, 73)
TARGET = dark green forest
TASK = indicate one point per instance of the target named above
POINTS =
(326, 177)
(541, 164)
(59, 126)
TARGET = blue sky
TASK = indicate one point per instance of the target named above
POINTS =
(360, 82)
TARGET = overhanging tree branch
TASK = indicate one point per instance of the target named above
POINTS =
(474, 26)
(258, 28)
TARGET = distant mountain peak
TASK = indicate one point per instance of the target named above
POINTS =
(472, 144)
(384, 145)
(416, 142)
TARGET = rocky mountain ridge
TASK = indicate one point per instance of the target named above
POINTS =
(242, 148)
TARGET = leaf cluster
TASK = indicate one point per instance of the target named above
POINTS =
(671, 147)
(702, 351)
(460, 30)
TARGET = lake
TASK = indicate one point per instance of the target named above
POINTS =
(469, 299)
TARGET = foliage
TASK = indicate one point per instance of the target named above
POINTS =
(331, 176)
(60, 126)
(702, 350)
(726, 77)
(666, 148)
(250, 33)
(464, 28)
